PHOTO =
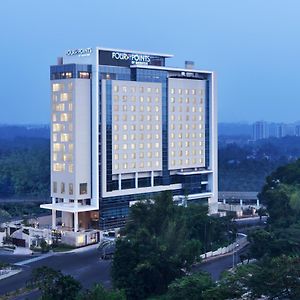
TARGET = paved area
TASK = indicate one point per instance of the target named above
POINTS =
(85, 266)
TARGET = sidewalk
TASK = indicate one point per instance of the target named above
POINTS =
(10, 273)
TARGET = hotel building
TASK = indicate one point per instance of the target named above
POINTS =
(124, 127)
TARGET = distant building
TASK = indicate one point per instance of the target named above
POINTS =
(281, 130)
(260, 130)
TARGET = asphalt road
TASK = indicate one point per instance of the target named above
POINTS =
(86, 266)
(218, 265)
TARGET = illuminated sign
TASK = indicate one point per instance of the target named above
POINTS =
(134, 59)
(79, 52)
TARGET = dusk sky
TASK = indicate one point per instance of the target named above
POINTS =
(253, 45)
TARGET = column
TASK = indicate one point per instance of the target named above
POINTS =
(224, 201)
(53, 218)
(120, 181)
(75, 221)
(257, 203)
(152, 178)
(136, 180)
(53, 200)
(241, 202)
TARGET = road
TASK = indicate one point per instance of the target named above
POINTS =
(84, 266)
(218, 265)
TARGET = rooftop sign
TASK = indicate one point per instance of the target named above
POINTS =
(79, 52)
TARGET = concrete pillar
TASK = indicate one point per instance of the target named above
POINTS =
(152, 178)
(136, 180)
(241, 202)
(224, 201)
(120, 181)
(53, 200)
(53, 219)
(257, 203)
(75, 221)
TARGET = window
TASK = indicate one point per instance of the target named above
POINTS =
(116, 88)
(116, 98)
(84, 75)
(54, 187)
(148, 89)
(54, 137)
(70, 188)
(65, 96)
(57, 87)
(83, 188)
(71, 167)
(54, 156)
(54, 119)
(172, 91)
(172, 100)
(179, 91)
(62, 188)
(124, 88)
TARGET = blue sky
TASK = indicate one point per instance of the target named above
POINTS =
(253, 45)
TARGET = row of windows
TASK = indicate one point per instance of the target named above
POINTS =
(64, 157)
(57, 147)
(133, 146)
(62, 107)
(82, 188)
(134, 118)
(180, 144)
(59, 87)
(133, 127)
(187, 152)
(181, 91)
(187, 126)
(186, 118)
(187, 135)
(186, 100)
(134, 89)
(133, 155)
(61, 127)
(134, 108)
(186, 108)
(134, 165)
(133, 99)
(133, 137)
(64, 137)
(61, 167)
(186, 162)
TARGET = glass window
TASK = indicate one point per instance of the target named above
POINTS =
(83, 188)
(62, 188)
(54, 187)
(70, 188)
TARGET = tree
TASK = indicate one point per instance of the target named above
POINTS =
(189, 287)
(99, 293)
(54, 285)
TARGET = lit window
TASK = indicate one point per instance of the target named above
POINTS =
(116, 166)
(116, 137)
(157, 163)
(142, 127)
(65, 137)
(125, 156)
(186, 91)
(172, 99)
(193, 92)
(116, 156)
(57, 87)
(133, 155)
(187, 152)
(141, 154)
(124, 146)
(157, 127)
(133, 98)
(133, 127)
(124, 137)
(65, 96)
(116, 88)
(156, 90)
(124, 88)
(54, 156)
(149, 154)
(156, 136)
(187, 161)
(179, 91)
(141, 146)
(70, 168)
(156, 154)
(148, 145)
(156, 108)
(172, 135)
(124, 107)
(149, 99)
(132, 108)
(172, 91)
(156, 145)
(65, 117)
(149, 164)
(116, 118)
(149, 127)
(70, 106)
(148, 89)
(132, 136)
(141, 99)
(141, 108)
(200, 109)
(156, 99)
(57, 147)
(116, 147)
(132, 146)
(133, 117)
(172, 144)
(172, 153)
(193, 109)
(116, 127)
(148, 108)
(71, 147)
(172, 117)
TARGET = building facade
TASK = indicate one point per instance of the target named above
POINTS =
(125, 127)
